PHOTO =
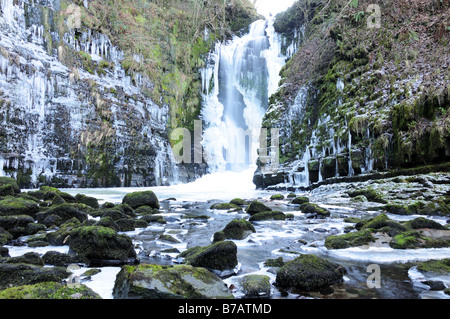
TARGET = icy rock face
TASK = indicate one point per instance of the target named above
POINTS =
(69, 113)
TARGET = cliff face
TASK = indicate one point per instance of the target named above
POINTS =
(368, 89)
(89, 90)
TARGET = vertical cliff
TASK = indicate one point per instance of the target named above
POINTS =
(367, 90)
(89, 90)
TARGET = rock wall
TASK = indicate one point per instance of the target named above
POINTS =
(366, 91)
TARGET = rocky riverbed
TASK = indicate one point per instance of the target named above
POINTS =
(387, 238)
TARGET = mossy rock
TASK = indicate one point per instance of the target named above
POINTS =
(217, 256)
(278, 262)
(168, 238)
(422, 222)
(126, 224)
(9, 222)
(154, 219)
(60, 236)
(47, 193)
(300, 200)
(146, 210)
(314, 210)
(147, 281)
(236, 229)
(277, 197)
(309, 273)
(26, 274)
(225, 206)
(291, 195)
(273, 215)
(5, 236)
(65, 211)
(8, 184)
(256, 286)
(137, 199)
(406, 240)
(87, 200)
(352, 239)
(113, 213)
(49, 290)
(238, 201)
(436, 208)
(370, 193)
(441, 266)
(107, 222)
(56, 258)
(257, 207)
(18, 206)
(98, 243)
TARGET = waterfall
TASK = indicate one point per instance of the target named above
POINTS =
(245, 71)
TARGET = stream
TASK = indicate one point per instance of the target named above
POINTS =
(399, 278)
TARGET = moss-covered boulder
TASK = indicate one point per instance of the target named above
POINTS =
(8, 186)
(56, 258)
(61, 235)
(31, 258)
(422, 222)
(13, 274)
(272, 215)
(371, 194)
(413, 239)
(217, 256)
(309, 273)
(5, 236)
(314, 210)
(126, 224)
(162, 282)
(87, 200)
(102, 245)
(352, 239)
(236, 229)
(137, 199)
(65, 211)
(256, 286)
(257, 207)
(277, 197)
(238, 201)
(9, 222)
(18, 206)
(300, 200)
(225, 206)
(441, 266)
(49, 290)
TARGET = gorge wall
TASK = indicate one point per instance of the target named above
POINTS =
(90, 90)
(367, 89)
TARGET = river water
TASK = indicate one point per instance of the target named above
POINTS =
(273, 239)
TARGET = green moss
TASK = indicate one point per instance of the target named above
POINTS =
(352, 239)
(48, 290)
(435, 266)
(272, 215)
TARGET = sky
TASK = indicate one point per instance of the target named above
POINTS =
(266, 7)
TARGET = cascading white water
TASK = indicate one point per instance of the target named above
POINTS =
(245, 72)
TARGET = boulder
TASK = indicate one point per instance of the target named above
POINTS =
(272, 215)
(87, 200)
(257, 207)
(300, 200)
(314, 210)
(422, 222)
(18, 206)
(217, 256)
(59, 259)
(256, 286)
(352, 239)
(8, 186)
(137, 199)
(25, 274)
(237, 229)
(64, 211)
(309, 273)
(163, 282)
(102, 245)
(49, 290)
